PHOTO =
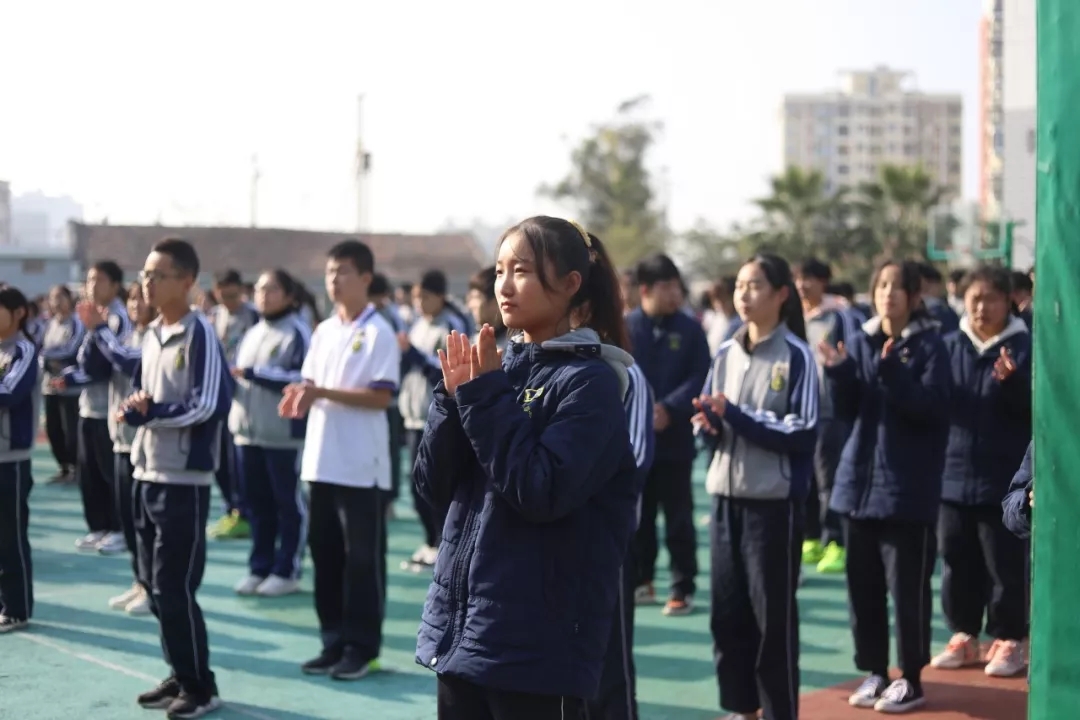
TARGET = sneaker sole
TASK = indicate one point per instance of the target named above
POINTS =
(159, 705)
(353, 675)
(14, 628)
(901, 708)
(680, 612)
(315, 671)
(198, 712)
(867, 703)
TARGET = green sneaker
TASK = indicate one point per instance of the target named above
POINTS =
(833, 561)
(231, 527)
(812, 552)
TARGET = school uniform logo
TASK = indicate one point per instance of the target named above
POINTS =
(3, 369)
(674, 342)
(181, 361)
(275, 351)
(779, 377)
(905, 355)
(531, 395)
(357, 341)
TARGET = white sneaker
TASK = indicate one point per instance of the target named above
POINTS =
(248, 585)
(1006, 658)
(139, 605)
(121, 601)
(90, 541)
(962, 651)
(867, 695)
(428, 555)
(900, 697)
(112, 544)
(275, 586)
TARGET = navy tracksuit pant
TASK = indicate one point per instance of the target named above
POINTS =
(756, 554)
(983, 570)
(124, 494)
(890, 557)
(277, 510)
(16, 567)
(617, 699)
(348, 553)
(669, 486)
(228, 476)
(94, 471)
(170, 534)
(821, 522)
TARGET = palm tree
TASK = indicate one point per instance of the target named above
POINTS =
(893, 212)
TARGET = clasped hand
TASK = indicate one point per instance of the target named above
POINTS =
(715, 404)
(136, 402)
(462, 361)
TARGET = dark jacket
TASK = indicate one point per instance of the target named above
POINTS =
(892, 463)
(19, 401)
(673, 354)
(989, 421)
(943, 314)
(535, 466)
(1016, 507)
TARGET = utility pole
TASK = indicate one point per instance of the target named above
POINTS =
(363, 168)
(255, 175)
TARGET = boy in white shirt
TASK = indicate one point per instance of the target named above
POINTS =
(350, 374)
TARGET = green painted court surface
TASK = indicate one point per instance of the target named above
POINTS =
(82, 660)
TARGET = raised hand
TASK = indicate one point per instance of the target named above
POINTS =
(832, 356)
(700, 420)
(90, 315)
(1004, 366)
(485, 356)
(456, 361)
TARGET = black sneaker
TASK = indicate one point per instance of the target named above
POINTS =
(900, 697)
(352, 666)
(162, 696)
(322, 665)
(192, 705)
(11, 624)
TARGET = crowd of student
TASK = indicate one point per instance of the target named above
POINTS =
(860, 439)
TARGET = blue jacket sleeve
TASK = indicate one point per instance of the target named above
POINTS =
(444, 453)
(21, 376)
(1016, 507)
(428, 364)
(679, 402)
(206, 363)
(278, 377)
(544, 474)
(124, 358)
(921, 398)
(796, 431)
(639, 419)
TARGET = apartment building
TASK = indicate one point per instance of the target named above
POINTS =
(876, 117)
(1018, 49)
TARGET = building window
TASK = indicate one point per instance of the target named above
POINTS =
(1031, 142)
(841, 130)
(33, 266)
(843, 110)
(841, 169)
(842, 150)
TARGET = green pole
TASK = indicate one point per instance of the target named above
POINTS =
(1055, 674)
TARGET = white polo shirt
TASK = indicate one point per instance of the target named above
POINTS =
(350, 445)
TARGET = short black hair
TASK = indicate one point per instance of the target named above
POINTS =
(355, 252)
(929, 273)
(110, 269)
(811, 267)
(182, 253)
(957, 275)
(434, 282)
(229, 276)
(484, 282)
(655, 269)
(379, 285)
(1021, 282)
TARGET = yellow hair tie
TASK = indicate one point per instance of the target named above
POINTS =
(584, 235)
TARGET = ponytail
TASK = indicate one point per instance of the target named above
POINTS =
(601, 294)
(12, 300)
(778, 274)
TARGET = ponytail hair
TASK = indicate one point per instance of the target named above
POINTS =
(778, 274)
(12, 299)
(560, 247)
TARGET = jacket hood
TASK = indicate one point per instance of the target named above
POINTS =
(829, 303)
(916, 325)
(586, 341)
(1015, 326)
